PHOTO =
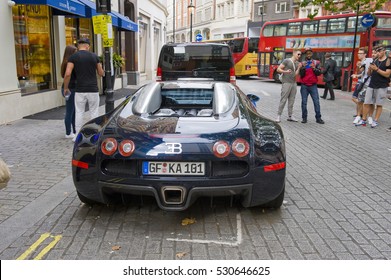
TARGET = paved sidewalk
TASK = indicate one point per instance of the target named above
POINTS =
(337, 203)
(39, 158)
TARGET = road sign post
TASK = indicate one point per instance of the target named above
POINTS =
(367, 20)
(354, 49)
(198, 37)
(107, 35)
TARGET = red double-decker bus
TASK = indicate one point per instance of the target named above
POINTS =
(333, 33)
(245, 54)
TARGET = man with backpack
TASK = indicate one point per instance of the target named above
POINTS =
(309, 73)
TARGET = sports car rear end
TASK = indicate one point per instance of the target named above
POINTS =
(177, 141)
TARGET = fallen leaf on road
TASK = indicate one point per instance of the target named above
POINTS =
(115, 248)
(180, 255)
(188, 221)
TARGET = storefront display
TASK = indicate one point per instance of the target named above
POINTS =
(77, 28)
(33, 47)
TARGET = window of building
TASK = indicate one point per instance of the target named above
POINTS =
(282, 7)
(220, 11)
(33, 50)
(243, 6)
(198, 17)
(143, 37)
(246, 6)
(230, 7)
(208, 14)
(77, 28)
(157, 40)
(261, 10)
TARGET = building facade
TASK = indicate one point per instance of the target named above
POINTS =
(34, 36)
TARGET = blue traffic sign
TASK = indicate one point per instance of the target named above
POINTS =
(367, 20)
(198, 37)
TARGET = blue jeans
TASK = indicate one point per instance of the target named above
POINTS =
(313, 91)
(69, 113)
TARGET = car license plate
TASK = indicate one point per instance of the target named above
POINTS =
(173, 168)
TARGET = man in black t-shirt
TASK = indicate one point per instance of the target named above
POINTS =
(376, 93)
(85, 65)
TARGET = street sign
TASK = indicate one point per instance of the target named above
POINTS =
(102, 25)
(198, 37)
(367, 20)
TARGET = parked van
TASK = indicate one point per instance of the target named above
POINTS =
(196, 60)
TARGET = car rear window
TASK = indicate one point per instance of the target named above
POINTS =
(192, 57)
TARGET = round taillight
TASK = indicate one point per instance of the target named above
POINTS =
(221, 149)
(109, 146)
(240, 147)
(126, 148)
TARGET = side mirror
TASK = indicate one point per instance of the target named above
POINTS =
(253, 98)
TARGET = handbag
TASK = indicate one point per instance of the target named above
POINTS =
(360, 85)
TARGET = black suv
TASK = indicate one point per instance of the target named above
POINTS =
(196, 60)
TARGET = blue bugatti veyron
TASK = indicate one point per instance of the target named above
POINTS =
(178, 141)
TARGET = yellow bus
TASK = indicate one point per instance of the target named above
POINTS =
(245, 54)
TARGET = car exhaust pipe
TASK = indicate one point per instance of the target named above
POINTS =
(173, 195)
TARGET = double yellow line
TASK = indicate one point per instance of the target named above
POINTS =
(32, 248)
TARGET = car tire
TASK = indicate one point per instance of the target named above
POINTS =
(277, 202)
(85, 200)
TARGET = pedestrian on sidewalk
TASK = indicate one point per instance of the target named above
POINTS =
(309, 73)
(379, 70)
(289, 69)
(328, 76)
(358, 96)
(85, 64)
(69, 120)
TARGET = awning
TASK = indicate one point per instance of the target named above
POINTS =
(125, 23)
(61, 7)
(118, 20)
(90, 8)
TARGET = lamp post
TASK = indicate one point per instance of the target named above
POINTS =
(104, 6)
(173, 20)
(191, 8)
(354, 49)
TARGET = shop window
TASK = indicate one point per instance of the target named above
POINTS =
(71, 31)
(85, 29)
(33, 48)
(76, 28)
